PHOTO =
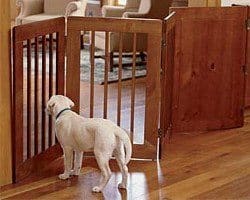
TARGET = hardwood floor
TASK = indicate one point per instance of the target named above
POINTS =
(212, 165)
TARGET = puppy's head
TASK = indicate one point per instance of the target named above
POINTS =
(57, 103)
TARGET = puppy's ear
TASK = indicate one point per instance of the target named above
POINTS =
(71, 103)
(50, 108)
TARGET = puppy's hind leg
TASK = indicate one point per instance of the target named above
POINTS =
(77, 163)
(120, 158)
(103, 163)
(68, 161)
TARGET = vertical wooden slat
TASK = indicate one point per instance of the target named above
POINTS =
(247, 99)
(105, 102)
(60, 61)
(50, 136)
(132, 114)
(119, 96)
(36, 98)
(43, 92)
(92, 63)
(17, 131)
(73, 67)
(28, 98)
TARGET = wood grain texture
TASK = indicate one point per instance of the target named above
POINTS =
(105, 95)
(73, 68)
(132, 115)
(203, 58)
(247, 102)
(28, 98)
(115, 24)
(92, 70)
(168, 59)
(5, 85)
(36, 59)
(119, 91)
(152, 104)
(204, 3)
(204, 165)
(60, 60)
(43, 124)
(48, 27)
(17, 120)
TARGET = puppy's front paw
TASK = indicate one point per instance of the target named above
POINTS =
(96, 189)
(63, 176)
(122, 186)
(74, 172)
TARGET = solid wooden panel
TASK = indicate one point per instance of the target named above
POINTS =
(73, 67)
(247, 101)
(208, 88)
(39, 161)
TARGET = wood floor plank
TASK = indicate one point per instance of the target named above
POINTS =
(34, 186)
(239, 189)
(204, 182)
(212, 165)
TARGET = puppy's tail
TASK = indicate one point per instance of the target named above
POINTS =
(127, 144)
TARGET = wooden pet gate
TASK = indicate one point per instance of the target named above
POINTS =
(189, 63)
(39, 72)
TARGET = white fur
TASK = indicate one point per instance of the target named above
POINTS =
(78, 134)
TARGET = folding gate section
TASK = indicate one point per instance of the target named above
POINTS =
(118, 79)
(247, 67)
(38, 72)
(204, 70)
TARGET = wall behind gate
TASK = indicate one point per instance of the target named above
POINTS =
(5, 112)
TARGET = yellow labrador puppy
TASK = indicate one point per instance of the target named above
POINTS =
(78, 134)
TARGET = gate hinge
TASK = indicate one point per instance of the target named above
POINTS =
(248, 24)
(244, 69)
(159, 133)
(161, 71)
(163, 43)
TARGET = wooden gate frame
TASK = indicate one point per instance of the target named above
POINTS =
(148, 26)
(21, 167)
